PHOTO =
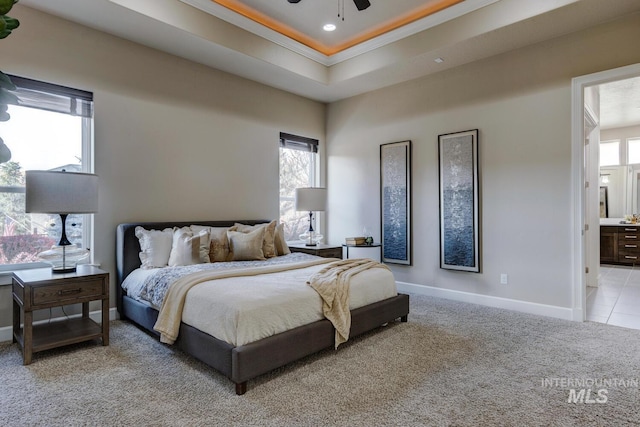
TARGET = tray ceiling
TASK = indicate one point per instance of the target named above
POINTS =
(460, 32)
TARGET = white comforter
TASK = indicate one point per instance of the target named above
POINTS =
(240, 310)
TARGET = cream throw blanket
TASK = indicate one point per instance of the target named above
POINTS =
(332, 284)
(170, 316)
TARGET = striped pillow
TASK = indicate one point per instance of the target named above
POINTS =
(189, 248)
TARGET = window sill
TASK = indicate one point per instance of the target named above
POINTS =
(6, 271)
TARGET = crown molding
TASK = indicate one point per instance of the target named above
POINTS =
(415, 27)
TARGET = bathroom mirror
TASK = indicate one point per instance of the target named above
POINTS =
(623, 188)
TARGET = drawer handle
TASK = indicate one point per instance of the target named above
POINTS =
(630, 246)
(630, 257)
(630, 229)
(630, 237)
(69, 291)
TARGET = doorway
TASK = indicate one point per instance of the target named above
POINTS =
(587, 208)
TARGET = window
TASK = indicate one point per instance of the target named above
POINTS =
(298, 168)
(633, 151)
(609, 153)
(50, 129)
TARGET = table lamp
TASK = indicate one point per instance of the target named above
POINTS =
(311, 199)
(63, 193)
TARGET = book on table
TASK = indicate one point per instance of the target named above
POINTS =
(355, 241)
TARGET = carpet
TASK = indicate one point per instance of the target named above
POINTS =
(452, 364)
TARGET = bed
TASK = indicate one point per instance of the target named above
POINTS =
(241, 363)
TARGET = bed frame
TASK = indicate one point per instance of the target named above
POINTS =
(244, 362)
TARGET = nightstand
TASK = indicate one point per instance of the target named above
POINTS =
(325, 251)
(39, 289)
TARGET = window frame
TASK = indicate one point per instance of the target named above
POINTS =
(312, 146)
(85, 107)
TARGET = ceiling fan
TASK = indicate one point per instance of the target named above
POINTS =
(360, 4)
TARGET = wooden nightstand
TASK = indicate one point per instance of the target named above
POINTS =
(41, 289)
(325, 251)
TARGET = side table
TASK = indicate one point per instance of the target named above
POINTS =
(39, 289)
(323, 250)
(372, 251)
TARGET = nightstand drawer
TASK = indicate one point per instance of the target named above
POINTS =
(332, 253)
(56, 293)
(325, 251)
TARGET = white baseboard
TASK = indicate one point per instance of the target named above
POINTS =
(6, 333)
(498, 302)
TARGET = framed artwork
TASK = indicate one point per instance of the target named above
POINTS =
(459, 202)
(604, 202)
(395, 196)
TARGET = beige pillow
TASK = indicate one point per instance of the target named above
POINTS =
(155, 246)
(189, 248)
(281, 245)
(218, 242)
(268, 245)
(246, 246)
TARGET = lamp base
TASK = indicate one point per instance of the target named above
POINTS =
(62, 270)
(63, 259)
(311, 244)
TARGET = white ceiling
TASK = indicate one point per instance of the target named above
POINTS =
(308, 17)
(207, 33)
(620, 103)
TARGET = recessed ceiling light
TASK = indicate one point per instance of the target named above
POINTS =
(439, 60)
(329, 27)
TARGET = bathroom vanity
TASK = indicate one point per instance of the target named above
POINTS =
(619, 243)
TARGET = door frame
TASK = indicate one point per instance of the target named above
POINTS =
(578, 84)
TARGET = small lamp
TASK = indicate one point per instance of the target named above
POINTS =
(311, 199)
(63, 193)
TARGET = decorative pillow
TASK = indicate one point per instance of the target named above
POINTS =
(205, 242)
(218, 242)
(155, 246)
(281, 245)
(268, 245)
(246, 246)
(189, 248)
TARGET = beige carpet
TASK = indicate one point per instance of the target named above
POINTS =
(452, 364)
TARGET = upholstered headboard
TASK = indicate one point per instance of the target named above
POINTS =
(128, 247)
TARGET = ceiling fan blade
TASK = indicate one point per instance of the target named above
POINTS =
(362, 4)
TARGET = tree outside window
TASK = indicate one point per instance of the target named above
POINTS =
(298, 168)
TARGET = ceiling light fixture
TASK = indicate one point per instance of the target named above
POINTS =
(439, 60)
(329, 27)
(360, 4)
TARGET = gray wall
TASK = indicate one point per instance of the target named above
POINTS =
(521, 104)
(174, 140)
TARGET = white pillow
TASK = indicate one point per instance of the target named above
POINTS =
(246, 246)
(189, 248)
(155, 246)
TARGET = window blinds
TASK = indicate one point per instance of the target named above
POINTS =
(51, 97)
(296, 142)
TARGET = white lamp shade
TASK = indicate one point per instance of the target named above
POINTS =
(311, 199)
(59, 192)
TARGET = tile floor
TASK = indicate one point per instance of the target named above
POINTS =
(616, 301)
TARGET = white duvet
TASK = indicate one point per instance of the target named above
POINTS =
(240, 310)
